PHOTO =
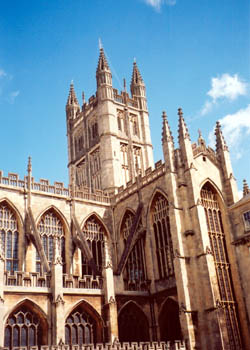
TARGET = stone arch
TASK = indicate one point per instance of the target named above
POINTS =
(215, 188)
(125, 211)
(83, 324)
(169, 322)
(154, 193)
(133, 324)
(98, 218)
(58, 213)
(11, 235)
(25, 325)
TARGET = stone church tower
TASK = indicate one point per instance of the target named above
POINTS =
(132, 251)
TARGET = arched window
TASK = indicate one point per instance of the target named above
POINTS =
(135, 270)
(94, 234)
(132, 324)
(209, 199)
(24, 328)
(162, 236)
(50, 227)
(9, 237)
(81, 328)
(169, 322)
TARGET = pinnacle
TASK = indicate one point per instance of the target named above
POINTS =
(220, 141)
(102, 62)
(166, 132)
(29, 168)
(136, 75)
(246, 189)
(183, 130)
(201, 141)
(72, 99)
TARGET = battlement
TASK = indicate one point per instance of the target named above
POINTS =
(150, 175)
(124, 98)
(175, 345)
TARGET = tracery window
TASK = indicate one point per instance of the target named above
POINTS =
(80, 328)
(81, 174)
(50, 227)
(135, 269)
(9, 237)
(94, 234)
(246, 217)
(22, 329)
(223, 270)
(95, 167)
(162, 236)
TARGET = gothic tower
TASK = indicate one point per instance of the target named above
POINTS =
(109, 142)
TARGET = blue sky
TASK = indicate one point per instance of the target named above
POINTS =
(191, 54)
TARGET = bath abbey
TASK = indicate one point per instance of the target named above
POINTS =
(132, 254)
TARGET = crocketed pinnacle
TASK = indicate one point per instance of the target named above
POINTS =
(166, 132)
(136, 75)
(72, 99)
(246, 189)
(102, 62)
(220, 141)
(182, 130)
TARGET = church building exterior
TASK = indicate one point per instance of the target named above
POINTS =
(132, 251)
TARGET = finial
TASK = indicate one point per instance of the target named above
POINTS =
(29, 168)
(201, 141)
(124, 84)
(246, 189)
(180, 113)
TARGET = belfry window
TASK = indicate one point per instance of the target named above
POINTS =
(22, 329)
(50, 227)
(9, 237)
(162, 235)
(135, 270)
(93, 232)
(217, 237)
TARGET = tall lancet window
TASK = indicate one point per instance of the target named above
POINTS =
(9, 237)
(162, 236)
(209, 199)
(50, 227)
(94, 234)
(135, 270)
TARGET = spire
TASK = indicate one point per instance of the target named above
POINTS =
(246, 189)
(182, 130)
(102, 62)
(166, 132)
(220, 141)
(136, 75)
(72, 99)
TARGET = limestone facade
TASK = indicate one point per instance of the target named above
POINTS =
(132, 250)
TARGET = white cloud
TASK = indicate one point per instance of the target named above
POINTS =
(225, 86)
(12, 96)
(156, 4)
(235, 129)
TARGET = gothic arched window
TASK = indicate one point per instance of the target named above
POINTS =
(23, 328)
(50, 227)
(217, 237)
(132, 324)
(80, 328)
(9, 237)
(162, 236)
(135, 270)
(94, 234)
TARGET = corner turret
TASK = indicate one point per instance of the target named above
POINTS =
(72, 105)
(103, 78)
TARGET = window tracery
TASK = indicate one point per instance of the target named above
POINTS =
(22, 329)
(80, 328)
(124, 163)
(95, 167)
(135, 269)
(50, 227)
(162, 236)
(223, 270)
(9, 237)
(94, 234)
